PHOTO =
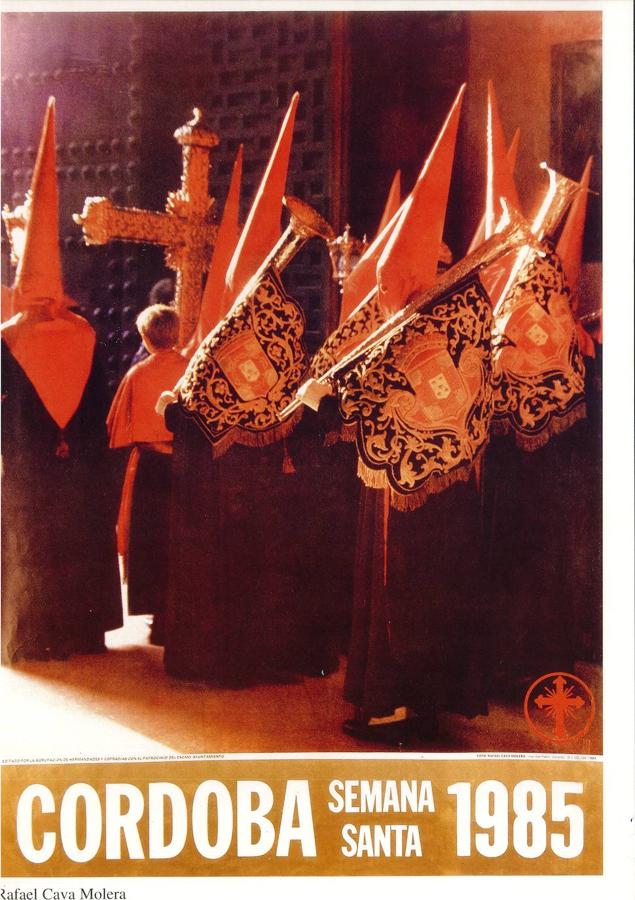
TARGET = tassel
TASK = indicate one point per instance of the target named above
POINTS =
(331, 438)
(237, 435)
(62, 451)
(287, 463)
(349, 432)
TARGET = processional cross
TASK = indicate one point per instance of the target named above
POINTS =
(185, 229)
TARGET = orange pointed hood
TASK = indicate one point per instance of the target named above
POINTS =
(53, 346)
(500, 179)
(262, 228)
(39, 271)
(512, 153)
(7, 303)
(569, 250)
(363, 278)
(55, 353)
(393, 202)
(212, 306)
(409, 260)
(569, 247)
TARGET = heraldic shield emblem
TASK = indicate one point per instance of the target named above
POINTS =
(421, 401)
(248, 369)
(440, 390)
(538, 367)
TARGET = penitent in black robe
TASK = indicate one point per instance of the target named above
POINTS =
(418, 615)
(60, 586)
(543, 513)
(254, 588)
(149, 538)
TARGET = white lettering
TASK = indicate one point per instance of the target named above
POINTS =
(381, 840)
(158, 793)
(69, 824)
(224, 819)
(250, 818)
(338, 801)
(297, 796)
(126, 823)
(24, 823)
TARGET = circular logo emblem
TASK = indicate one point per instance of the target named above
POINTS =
(559, 707)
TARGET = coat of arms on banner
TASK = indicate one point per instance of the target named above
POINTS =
(422, 400)
(538, 367)
(247, 366)
(248, 369)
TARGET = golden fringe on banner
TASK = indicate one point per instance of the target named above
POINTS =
(557, 425)
(256, 438)
(345, 433)
(436, 483)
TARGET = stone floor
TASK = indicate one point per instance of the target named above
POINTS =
(123, 704)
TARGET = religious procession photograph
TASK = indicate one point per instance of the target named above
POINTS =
(302, 382)
(302, 347)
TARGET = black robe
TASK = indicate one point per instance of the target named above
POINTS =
(149, 538)
(255, 587)
(60, 586)
(543, 513)
(418, 615)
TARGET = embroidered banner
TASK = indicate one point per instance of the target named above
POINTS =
(422, 400)
(350, 333)
(538, 367)
(248, 369)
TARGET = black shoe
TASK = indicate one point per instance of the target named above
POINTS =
(395, 734)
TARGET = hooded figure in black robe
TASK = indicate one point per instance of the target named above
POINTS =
(60, 585)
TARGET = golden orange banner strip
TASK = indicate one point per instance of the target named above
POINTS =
(246, 817)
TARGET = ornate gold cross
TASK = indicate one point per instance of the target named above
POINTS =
(185, 229)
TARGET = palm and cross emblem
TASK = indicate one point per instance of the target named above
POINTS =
(559, 707)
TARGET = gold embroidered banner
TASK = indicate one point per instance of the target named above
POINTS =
(422, 399)
(359, 325)
(248, 369)
(538, 367)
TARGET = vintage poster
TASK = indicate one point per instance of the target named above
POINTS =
(316, 450)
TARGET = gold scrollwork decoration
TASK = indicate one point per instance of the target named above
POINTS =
(538, 366)
(422, 400)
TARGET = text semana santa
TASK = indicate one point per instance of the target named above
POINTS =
(123, 822)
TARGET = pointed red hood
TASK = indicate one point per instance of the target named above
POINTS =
(262, 228)
(512, 152)
(212, 305)
(500, 179)
(410, 258)
(569, 247)
(363, 278)
(393, 202)
(39, 272)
